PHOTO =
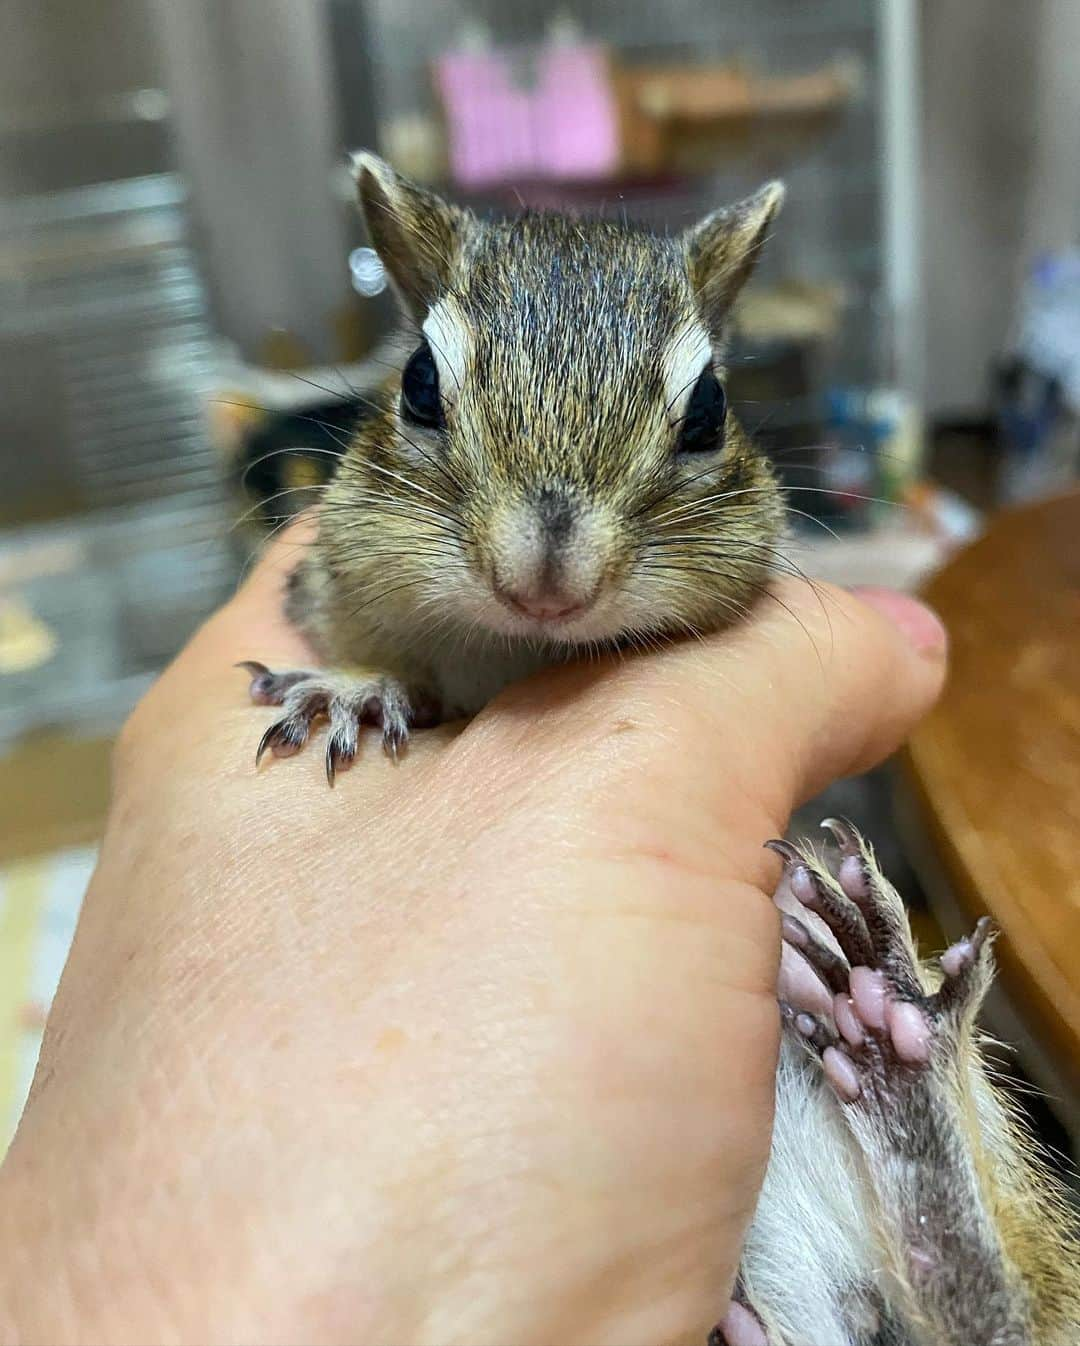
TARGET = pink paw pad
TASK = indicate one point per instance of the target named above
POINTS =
(799, 984)
(957, 957)
(740, 1327)
(802, 885)
(268, 688)
(262, 690)
(847, 1021)
(841, 1073)
(868, 993)
(909, 1029)
(964, 954)
(852, 878)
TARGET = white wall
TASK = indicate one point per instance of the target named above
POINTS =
(1001, 165)
(251, 83)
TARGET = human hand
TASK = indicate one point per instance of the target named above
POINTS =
(479, 1048)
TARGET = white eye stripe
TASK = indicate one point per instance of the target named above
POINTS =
(448, 337)
(688, 352)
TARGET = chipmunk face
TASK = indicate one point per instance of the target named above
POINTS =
(561, 424)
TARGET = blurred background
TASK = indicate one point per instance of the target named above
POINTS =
(190, 316)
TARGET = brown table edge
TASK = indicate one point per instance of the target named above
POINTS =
(1033, 1004)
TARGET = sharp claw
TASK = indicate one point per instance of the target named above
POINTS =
(265, 742)
(786, 851)
(984, 928)
(339, 756)
(283, 738)
(253, 667)
(844, 834)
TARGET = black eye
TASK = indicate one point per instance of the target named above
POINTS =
(703, 425)
(420, 400)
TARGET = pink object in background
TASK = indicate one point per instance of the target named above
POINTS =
(490, 121)
(565, 127)
(576, 131)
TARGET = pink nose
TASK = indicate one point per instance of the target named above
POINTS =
(544, 607)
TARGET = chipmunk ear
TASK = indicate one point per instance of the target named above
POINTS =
(417, 234)
(722, 250)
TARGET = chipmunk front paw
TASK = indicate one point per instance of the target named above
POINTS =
(346, 701)
(885, 1021)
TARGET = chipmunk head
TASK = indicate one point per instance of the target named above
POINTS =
(563, 412)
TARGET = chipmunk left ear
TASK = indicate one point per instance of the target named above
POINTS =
(417, 234)
(723, 249)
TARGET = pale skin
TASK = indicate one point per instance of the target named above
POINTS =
(474, 1049)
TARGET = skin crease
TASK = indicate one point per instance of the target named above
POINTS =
(475, 1049)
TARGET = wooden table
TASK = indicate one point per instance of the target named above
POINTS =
(995, 769)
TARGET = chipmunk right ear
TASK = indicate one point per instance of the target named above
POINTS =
(723, 249)
(417, 234)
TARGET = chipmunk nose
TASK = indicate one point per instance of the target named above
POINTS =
(545, 607)
(546, 562)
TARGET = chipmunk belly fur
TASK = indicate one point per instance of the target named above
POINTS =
(553, 470)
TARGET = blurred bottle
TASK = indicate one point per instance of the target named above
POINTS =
(871, 455)
(1037, 389)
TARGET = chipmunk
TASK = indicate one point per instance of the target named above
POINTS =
(553, 469)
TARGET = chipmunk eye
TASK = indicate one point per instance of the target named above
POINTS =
(420, 400)
(703, 425)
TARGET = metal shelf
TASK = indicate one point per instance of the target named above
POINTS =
(119, 592)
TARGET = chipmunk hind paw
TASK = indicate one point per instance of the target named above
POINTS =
(874, 1012)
